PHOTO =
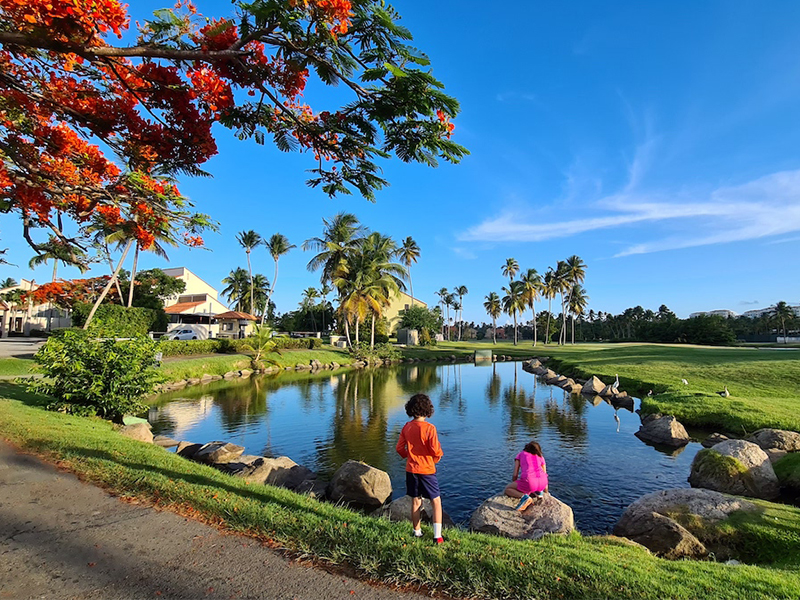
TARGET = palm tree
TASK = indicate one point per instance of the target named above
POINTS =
(57, 251)
(249, 240)
(277, 245)
(513, 302)
(443, 293)
(310, 296)
(260, 291)
(237, 287)
(449, 300)
(532, 283)
(324, 290)
(782, 313)
(573, 273)
(510, 269)
(7, 283)
(408, 254)
(493, 309)
(549, 291)
(578, 301)
(162, 234)
(460, 291)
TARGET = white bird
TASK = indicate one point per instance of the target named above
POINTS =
(684, 382)
(724, 393)
(615, 386)
(650, 393)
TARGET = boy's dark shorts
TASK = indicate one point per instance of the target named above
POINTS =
(422, 486)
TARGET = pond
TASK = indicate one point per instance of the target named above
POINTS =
(485, 415)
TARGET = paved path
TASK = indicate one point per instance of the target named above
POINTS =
(20, 347)
(63, 539)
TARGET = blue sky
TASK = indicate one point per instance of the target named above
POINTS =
(658, 141)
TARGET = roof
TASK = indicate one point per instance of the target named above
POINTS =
(180, 307)
(235, 314)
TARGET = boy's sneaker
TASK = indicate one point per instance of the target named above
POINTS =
(524, 503)
(439, 540)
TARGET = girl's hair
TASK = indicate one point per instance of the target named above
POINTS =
(533, 448)
(419, 406)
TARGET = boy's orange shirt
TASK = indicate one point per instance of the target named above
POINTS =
(419, 445)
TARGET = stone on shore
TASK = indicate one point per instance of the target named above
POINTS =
(735, 467)
(498, 516)
(187, 449)
(138, 431)
(776, 439)
(713, 440)
(165, 442)
(663, 429)
(218, 452)
(281, 472)
(400, 510)
(593, 386)
(359, 484)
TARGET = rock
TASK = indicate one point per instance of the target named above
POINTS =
(193, 381)
(575, 388)
(777, 439)
(335, 365)
(230, 375)
(165, 442)
(238, 465)
(281, 472)
(775, 455)
(187, 449)
(360, 484)
(315, 488)
(566, 383)
(498, 516)
(663, 429)
(714, 439)
(177, 385)
(400, 510)
(593, 386)
(245, 373)
(218, 452)
(138, 431)
(206, 378)
(735, 467)
(649, 522)
(623, 401)
(608, 391)
(557, 380)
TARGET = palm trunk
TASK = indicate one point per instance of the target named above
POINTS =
(269, 294)
(411, 285)
(347, 332)
(372, 334)
(573, 330)
(250, 271)
(549, 312)
(116, 283)
(358, 321)
(494, 330)
(533, 310)
(108, 286)
(515, 329)
(133, 275)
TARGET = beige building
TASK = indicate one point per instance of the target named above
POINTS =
(400, 302)
(196, 308)
(21, 318)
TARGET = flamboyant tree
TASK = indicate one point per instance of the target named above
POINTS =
(71, 92)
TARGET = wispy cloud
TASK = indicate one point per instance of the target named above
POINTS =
(516, 97)
(761, 208)
(464, 253)
(749, 302)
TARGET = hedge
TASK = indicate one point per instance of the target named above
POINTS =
(224, 345)
(114, 320)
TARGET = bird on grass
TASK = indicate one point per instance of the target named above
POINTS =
(650, 392)
(684, 382)
(724, 393)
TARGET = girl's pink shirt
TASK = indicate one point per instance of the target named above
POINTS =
(531, 471)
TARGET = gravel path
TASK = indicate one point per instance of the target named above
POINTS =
(63, 539)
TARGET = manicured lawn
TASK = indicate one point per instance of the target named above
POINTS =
(468, 564)
(12, 367)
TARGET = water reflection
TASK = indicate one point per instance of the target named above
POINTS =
(485, 416)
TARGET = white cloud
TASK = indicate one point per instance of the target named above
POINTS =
(764, 207)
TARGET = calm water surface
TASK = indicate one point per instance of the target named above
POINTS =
(485, 415)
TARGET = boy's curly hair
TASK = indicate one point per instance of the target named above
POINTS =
(419, 405)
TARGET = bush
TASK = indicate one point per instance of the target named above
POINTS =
(113, 320)
(91, 376)
(379, 353)
(225, 345)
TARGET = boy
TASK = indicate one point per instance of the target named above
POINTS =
(419, 445)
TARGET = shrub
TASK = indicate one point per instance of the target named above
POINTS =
(87, 375)
(225, 345)
(113, 320)
(379, 353)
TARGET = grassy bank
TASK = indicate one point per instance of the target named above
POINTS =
(14, 367)
(467, 565)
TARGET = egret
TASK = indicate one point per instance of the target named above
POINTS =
(615, 387)
(724, 393)
(650, 392)
(684, 382)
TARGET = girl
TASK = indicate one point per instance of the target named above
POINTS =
(530, 476)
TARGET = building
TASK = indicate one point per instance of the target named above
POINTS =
(723, 312)
(19, 318)
(399, 303)
(235, 324)
(196, 308)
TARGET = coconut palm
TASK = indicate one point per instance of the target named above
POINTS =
(493, 309)
(783, 313)
(260, 291)
(249, 240)
(339, 238)
(532, 283)
(510, 269)
(408, 253)
(443, 293)
(7, 283)
(573, 272)
(460, 291)
(237, 287)
(449, 301)
(277, 245)
(309, 302)
(578, 301)
(549, 291)
(513, 302)
(59, 252)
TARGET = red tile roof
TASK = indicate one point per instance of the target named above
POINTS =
(235, 314)
(180, 307)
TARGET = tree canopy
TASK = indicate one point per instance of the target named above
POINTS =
(71, 91)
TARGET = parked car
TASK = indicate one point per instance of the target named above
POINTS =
(182, 334)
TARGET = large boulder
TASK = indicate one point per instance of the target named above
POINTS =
(608, 391)
(400, 510)
(498, 516)
(187, 449)
(218, 452)
(237, 465)
(138, 431)
(593, 386)
(653, 520)
(735, 467)
(281, 472)
(361, 485)
(664, 430)
(776, 439)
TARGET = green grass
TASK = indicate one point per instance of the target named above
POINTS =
(468, 564)
(788, 470)
(14, 367)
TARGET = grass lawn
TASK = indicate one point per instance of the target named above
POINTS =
(13, 367)
(469, 565)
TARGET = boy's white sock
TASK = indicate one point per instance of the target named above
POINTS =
(437, 530)
(418, 532)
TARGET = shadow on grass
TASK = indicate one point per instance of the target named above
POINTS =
(18, 391)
